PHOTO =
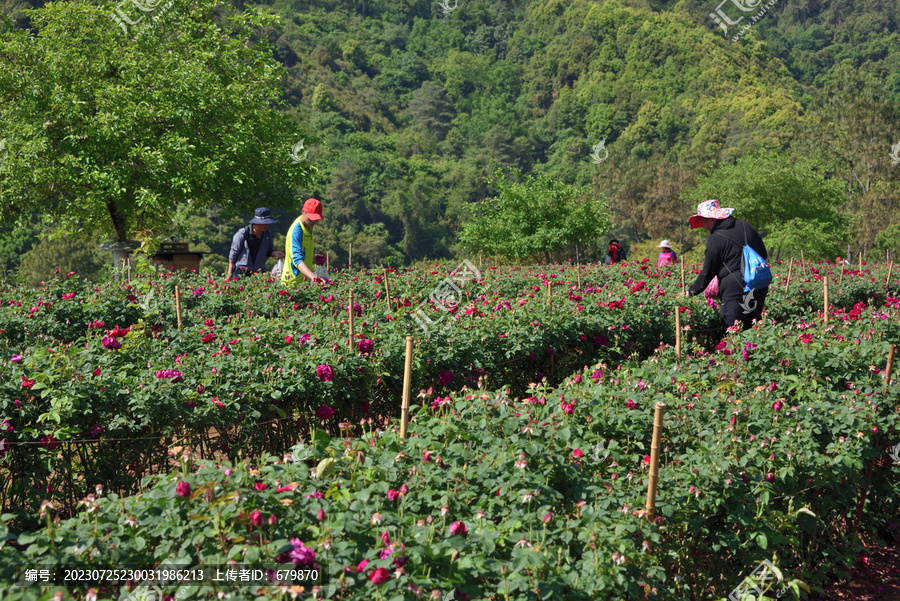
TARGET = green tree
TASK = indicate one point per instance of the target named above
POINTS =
(166, 108)
(793, 205)
(51, 257)
(533, 216)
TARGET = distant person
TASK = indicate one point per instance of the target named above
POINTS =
(666, 254)
(251, 246)
(615, 253)
(724, 254)
(299, 263)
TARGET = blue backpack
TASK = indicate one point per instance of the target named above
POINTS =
(754, 268)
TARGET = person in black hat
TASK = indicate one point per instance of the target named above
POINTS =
(251, 245)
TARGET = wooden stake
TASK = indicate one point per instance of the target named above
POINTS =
(654, 460)
(826, 299)
(841, 279)
(890, 367)
(549, 295)
(790, 268)
(178, 306)
(887, 282)
(479, 260)
(407, 377)
(578, 274)
(350, 258)
(682, 273)
(327, 261)
(350, 306)
(387, 290)
(678, 333)
(803, 262)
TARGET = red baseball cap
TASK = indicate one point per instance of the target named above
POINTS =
(313, 209)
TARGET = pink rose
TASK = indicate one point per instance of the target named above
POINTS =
(458, 528)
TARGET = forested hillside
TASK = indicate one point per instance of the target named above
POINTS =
(413, 104)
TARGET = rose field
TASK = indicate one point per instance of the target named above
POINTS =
(258, 431)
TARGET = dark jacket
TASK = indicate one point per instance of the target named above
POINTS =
(725, 248)
(240, 251)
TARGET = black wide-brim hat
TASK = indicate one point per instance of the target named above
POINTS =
(263, 216)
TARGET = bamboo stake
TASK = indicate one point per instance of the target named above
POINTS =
(327, 264)
(350, 307)
(678, 333)
(578, 275)
(178, 306)
(890, 367)
(350, 258)
(803, 262)
(841, 279)
(407, 377)
(790, 268)
(887, 282)
(826, 299)
(549, 298)
(654, 460)
(387, 290)
(682, 272)
(479, 260)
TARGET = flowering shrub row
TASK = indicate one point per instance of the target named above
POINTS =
(101, 380)
(775, 447)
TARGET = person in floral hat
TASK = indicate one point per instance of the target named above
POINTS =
(724, 254)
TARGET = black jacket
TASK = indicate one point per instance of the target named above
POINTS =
(725, 248)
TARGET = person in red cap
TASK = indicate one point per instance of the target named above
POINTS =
(724, 253)
(298, 251)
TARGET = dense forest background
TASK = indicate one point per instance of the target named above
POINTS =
(412, 105)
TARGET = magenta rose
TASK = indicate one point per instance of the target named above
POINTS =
(324, 412)
(445, 377)
(183, 489)
(325, 373)
(379, 575)
(365, 346)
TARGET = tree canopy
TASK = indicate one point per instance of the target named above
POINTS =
(534, 216)
(793, 204)
(110, 122)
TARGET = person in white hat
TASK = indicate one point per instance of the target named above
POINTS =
(666, 254)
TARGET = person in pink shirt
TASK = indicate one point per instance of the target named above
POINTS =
(666, 254)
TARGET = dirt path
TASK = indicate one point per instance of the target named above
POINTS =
(876, 578)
